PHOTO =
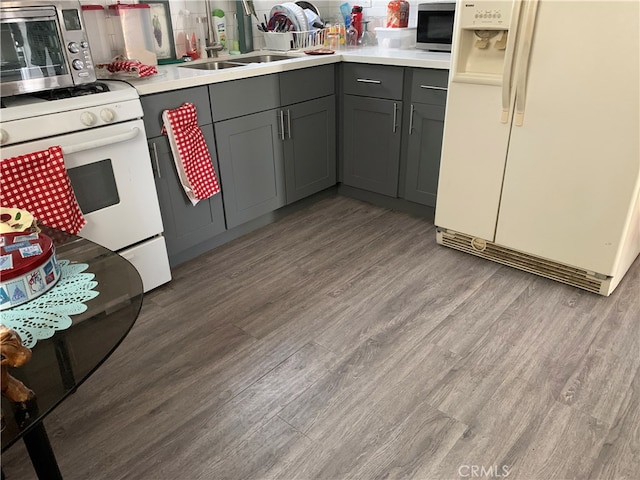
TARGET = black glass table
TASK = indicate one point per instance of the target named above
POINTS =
(63, 362)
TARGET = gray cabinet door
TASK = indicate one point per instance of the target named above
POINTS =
(306, 84)
(423, 153)
(250, 154)
(154, 105)
(244, 96)
(310, 147)
(372, 143)
(185, 225)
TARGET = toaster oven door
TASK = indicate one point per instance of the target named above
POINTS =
(32, 56)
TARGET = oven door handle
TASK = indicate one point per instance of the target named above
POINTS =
(122, 137)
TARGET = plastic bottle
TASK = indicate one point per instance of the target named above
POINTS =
(404, 13)
(220, 27)
(356, 19)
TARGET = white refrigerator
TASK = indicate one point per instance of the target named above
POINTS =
(540, 164)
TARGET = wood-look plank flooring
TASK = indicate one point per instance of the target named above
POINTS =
(343, 343)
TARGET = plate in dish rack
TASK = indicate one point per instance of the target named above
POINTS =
(294, 13)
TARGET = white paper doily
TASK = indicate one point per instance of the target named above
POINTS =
(43, 316)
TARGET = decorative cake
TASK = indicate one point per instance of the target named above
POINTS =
(28, 266)
(14, 220)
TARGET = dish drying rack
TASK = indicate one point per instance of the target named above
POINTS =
(295, 40)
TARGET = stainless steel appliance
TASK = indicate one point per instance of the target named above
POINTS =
(100, 130)
(435, 25)
(43, 45)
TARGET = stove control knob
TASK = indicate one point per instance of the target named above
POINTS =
(107, 115)
(4, 136)
(73, 47)
(77, 64)
(88, 119)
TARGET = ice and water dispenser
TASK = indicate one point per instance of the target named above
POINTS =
(483, 29)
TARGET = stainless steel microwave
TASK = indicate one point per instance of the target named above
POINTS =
(435, 25)
(43, 46)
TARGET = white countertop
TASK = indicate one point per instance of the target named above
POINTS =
(175, 76)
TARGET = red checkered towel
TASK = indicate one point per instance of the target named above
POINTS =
(190, 153)
(38, 182)
(133, 67)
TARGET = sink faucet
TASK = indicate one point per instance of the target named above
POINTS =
(211, 47)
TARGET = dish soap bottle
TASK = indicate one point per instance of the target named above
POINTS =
(220, 27)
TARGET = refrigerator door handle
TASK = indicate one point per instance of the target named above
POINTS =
(523, 61)
(508, 61)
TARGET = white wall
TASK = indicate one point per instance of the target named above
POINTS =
(373, 10)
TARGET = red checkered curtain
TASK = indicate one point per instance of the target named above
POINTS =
(190, 153)
(38, 182)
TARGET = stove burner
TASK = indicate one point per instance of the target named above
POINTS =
(69, 92)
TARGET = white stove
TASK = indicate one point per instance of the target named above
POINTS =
(109, 102)
(103, 140)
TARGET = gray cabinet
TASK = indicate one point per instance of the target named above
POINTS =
(185, 225)
(310, 130)
(372, 113)
(249, 131)
(426, 124)
(310, 147)
(271, 155)
(251, 161)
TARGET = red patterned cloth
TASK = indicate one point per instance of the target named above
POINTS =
(131, 66)
(38, 182)
(190, 152)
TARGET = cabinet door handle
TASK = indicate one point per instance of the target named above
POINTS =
(282, 125)
(429, 87)
(367, 80)
(395, 117)
(411, 119)
(289, 123)
(155, 159)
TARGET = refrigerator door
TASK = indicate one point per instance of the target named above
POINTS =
(478, 118)
(573, 171)
(474, 151)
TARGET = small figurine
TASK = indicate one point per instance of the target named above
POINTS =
(14, 354)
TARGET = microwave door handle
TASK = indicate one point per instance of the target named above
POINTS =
(122, 137)
(523, 61)
(508, 61)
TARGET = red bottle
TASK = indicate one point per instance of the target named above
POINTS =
(356, 19)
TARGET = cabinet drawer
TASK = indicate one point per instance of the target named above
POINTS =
(429, 86)
(306, 84)
(245, 96)
(373, 80)
(154, 105)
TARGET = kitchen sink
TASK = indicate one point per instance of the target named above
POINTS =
(236, 62)
(218, 65)
(261, 58)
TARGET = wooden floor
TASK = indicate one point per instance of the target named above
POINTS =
(343, 342)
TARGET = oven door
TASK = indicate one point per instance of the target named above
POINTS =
(111, 175)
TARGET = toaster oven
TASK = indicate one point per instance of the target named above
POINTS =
(43, 46)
